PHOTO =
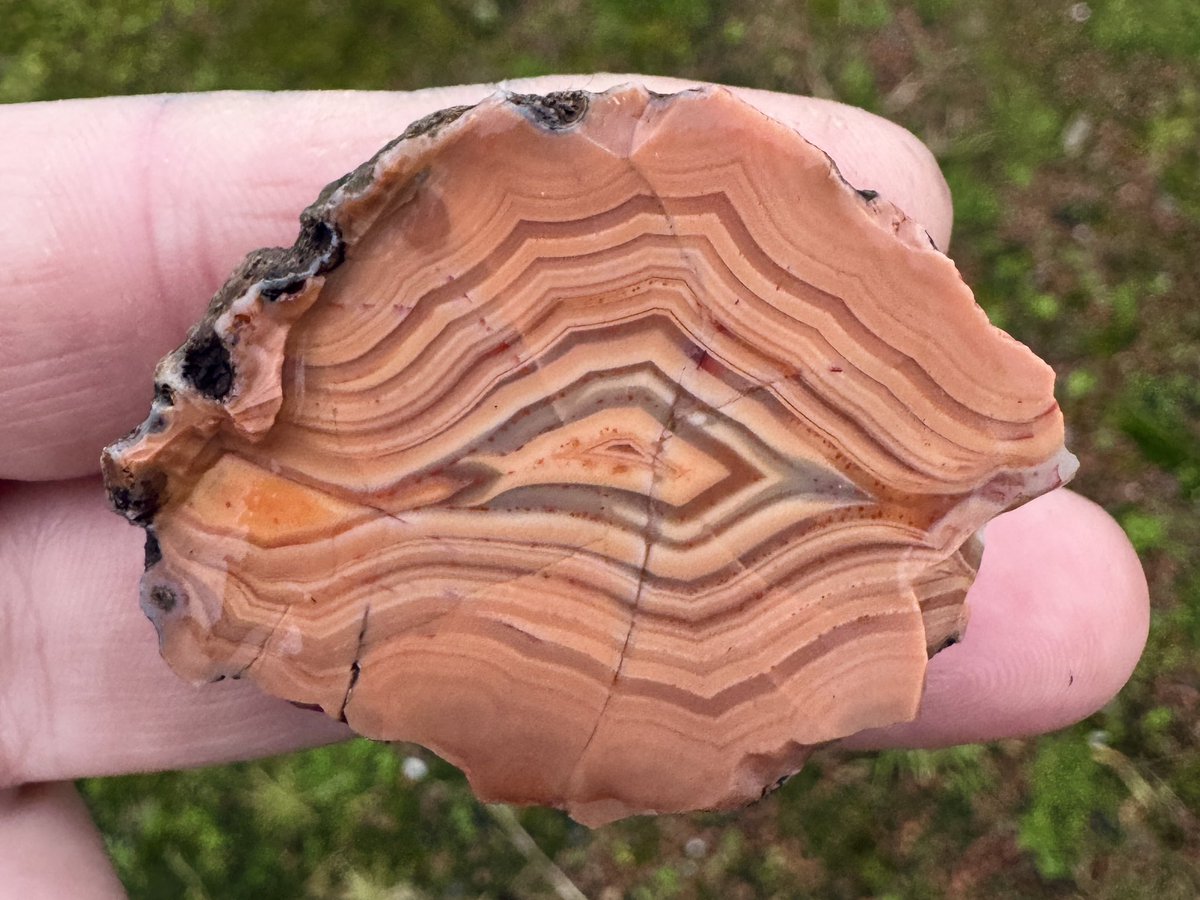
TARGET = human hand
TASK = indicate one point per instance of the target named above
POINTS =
(123, 215)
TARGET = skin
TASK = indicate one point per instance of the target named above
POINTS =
(123, 216)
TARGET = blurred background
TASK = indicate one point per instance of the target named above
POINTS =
(1070, 135)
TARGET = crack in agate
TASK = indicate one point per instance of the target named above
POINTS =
(652, 451)
(355, 666)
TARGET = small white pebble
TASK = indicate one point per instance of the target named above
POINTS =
(1080, 12)
(1075, 135)
(695, 847)
(697, 419)
(486, 12)
(414, 768)
(1166, 205)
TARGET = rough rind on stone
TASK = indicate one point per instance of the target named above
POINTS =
(211, 441)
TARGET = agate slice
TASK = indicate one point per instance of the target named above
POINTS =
(611, 446)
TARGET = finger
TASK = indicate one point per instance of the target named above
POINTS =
(83, 690)
(1059, 617)
(49, 848)
(124, 215)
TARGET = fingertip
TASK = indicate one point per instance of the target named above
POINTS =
(1059, 618)
(1070, 571)
(1124, 638)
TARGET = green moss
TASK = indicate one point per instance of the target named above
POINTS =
(1079, 383)
(850, 15)
(1146, 532)
(932, 11)
(1168, 28)
(856, 83)
(1160, 416)
(1073, 805)
(977, 205)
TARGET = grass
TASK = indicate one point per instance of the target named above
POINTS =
(1069, 134)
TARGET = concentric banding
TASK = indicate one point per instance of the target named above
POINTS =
(623, 453)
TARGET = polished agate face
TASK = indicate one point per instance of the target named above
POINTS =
(611, 446)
